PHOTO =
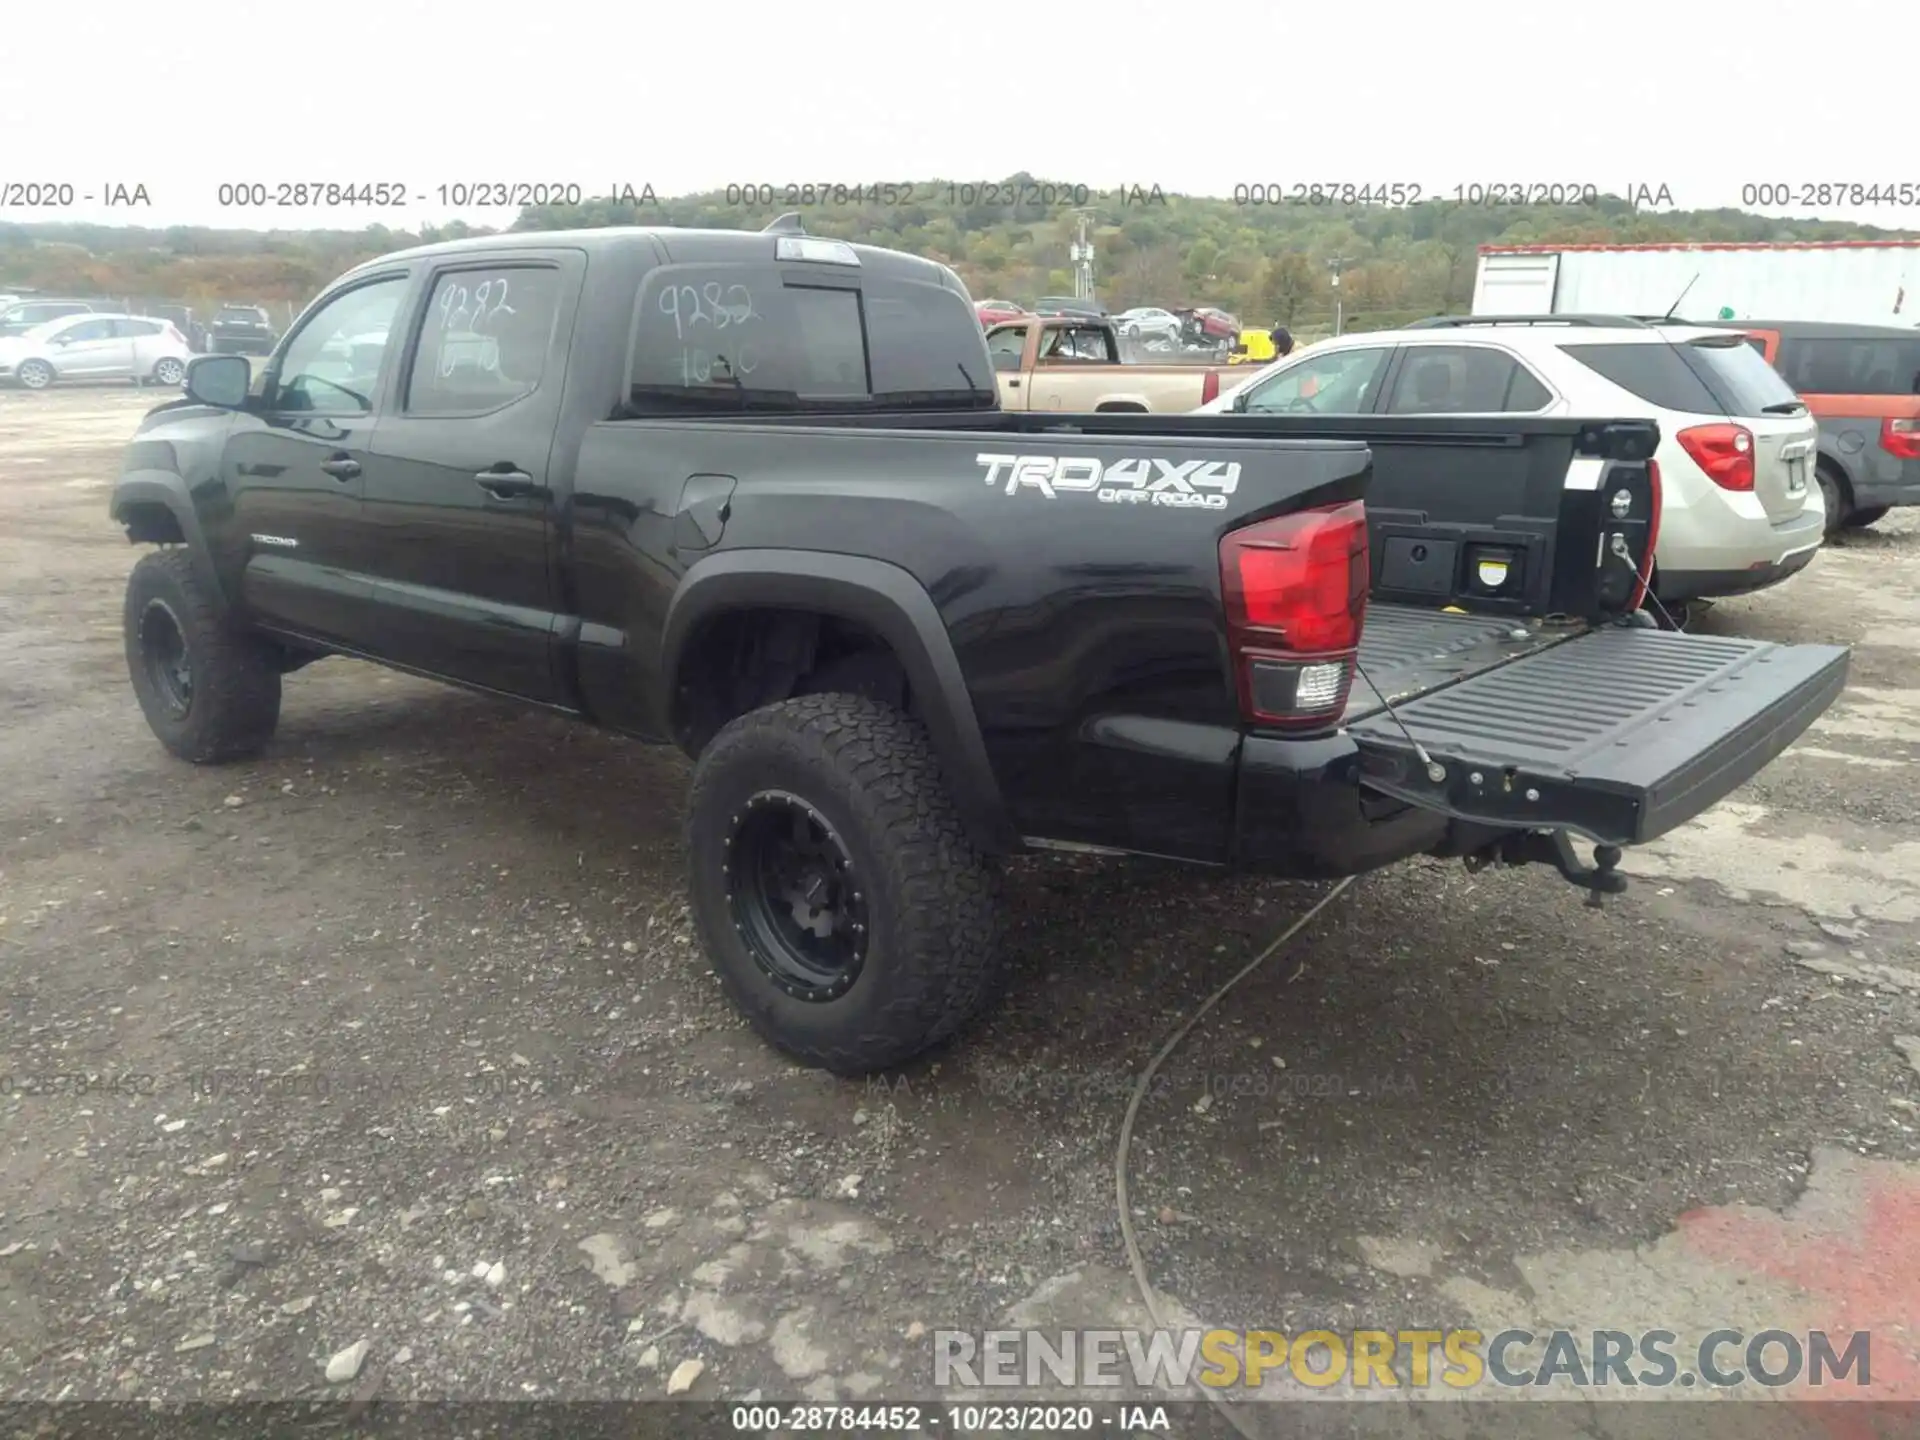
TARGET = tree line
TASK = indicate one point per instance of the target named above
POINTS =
(1267, 262)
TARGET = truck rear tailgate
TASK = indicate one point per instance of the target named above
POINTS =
(1619, 734)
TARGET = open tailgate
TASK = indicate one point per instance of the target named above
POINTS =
(1618, 734)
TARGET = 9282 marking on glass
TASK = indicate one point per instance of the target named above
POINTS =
(465, 321)
(720, 308)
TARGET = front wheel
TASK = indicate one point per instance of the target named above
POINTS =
(1866, 516)
(210, 691)
(34, 374)
(836, 892)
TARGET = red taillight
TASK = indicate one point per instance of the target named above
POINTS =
(1296, 596)
(1210, 387)
(1725, 452)
(1901, 438)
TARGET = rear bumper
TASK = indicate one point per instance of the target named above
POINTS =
(1299, 810)
(1698, 584)
(1887, 481)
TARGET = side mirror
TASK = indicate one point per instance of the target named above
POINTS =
(219, 380)
(1239, 405)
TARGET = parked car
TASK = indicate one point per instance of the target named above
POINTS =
(1741, 510)
(1073, 362)
(1131, 637)
(24, 315)
(1862, 383)
(992, 312)
(181, 318)
(1205, 325)
(241, 330)
(1148, 322)
(96, 347)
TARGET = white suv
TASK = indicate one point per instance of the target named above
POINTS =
(1740, 507)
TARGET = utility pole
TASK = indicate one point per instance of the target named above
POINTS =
(1081, 253)
(1336, 264)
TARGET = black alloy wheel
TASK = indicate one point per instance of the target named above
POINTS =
(794, 897)
(163, 651)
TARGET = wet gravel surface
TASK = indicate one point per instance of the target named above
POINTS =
(400, 1035)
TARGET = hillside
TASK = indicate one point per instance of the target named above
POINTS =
(1265, 262)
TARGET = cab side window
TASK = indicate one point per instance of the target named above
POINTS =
(485, 339)
(1340, 382)
(333, 365)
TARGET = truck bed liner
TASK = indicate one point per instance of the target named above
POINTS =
(1619, 734)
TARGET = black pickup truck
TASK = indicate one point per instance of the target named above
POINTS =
(751, 495)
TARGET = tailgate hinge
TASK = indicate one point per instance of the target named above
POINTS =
(1555, 848)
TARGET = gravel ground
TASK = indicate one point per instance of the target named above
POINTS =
(400, 1035)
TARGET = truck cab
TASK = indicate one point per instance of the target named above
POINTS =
(1074, 363)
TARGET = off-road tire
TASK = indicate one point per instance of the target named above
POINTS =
(235, 700)
(933, 956)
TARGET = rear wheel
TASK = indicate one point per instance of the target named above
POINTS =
(1866, 516)
(835, 889)
(169, 371)
(1833, 492)
(210, 691)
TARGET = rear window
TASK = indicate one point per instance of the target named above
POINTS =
(758, 337)
(1654, 372)
(1869, 365)
(1746, 384)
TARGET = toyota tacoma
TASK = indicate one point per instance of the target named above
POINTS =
(752, 495)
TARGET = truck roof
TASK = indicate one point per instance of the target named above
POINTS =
(681, 245)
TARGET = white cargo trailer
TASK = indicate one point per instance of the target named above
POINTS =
(1862, 282)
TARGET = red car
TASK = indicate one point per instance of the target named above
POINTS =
(1217, 324)
(993, 312)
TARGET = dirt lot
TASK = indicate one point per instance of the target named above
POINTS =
(400, 1035)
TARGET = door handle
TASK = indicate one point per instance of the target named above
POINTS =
(1013, 384)
(341, 467)
(508, 484)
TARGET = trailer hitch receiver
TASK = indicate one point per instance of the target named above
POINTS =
(1555, 848)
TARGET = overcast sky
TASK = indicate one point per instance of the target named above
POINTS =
(1703, 99)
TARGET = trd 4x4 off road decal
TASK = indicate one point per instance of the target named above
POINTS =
(1189, 484)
